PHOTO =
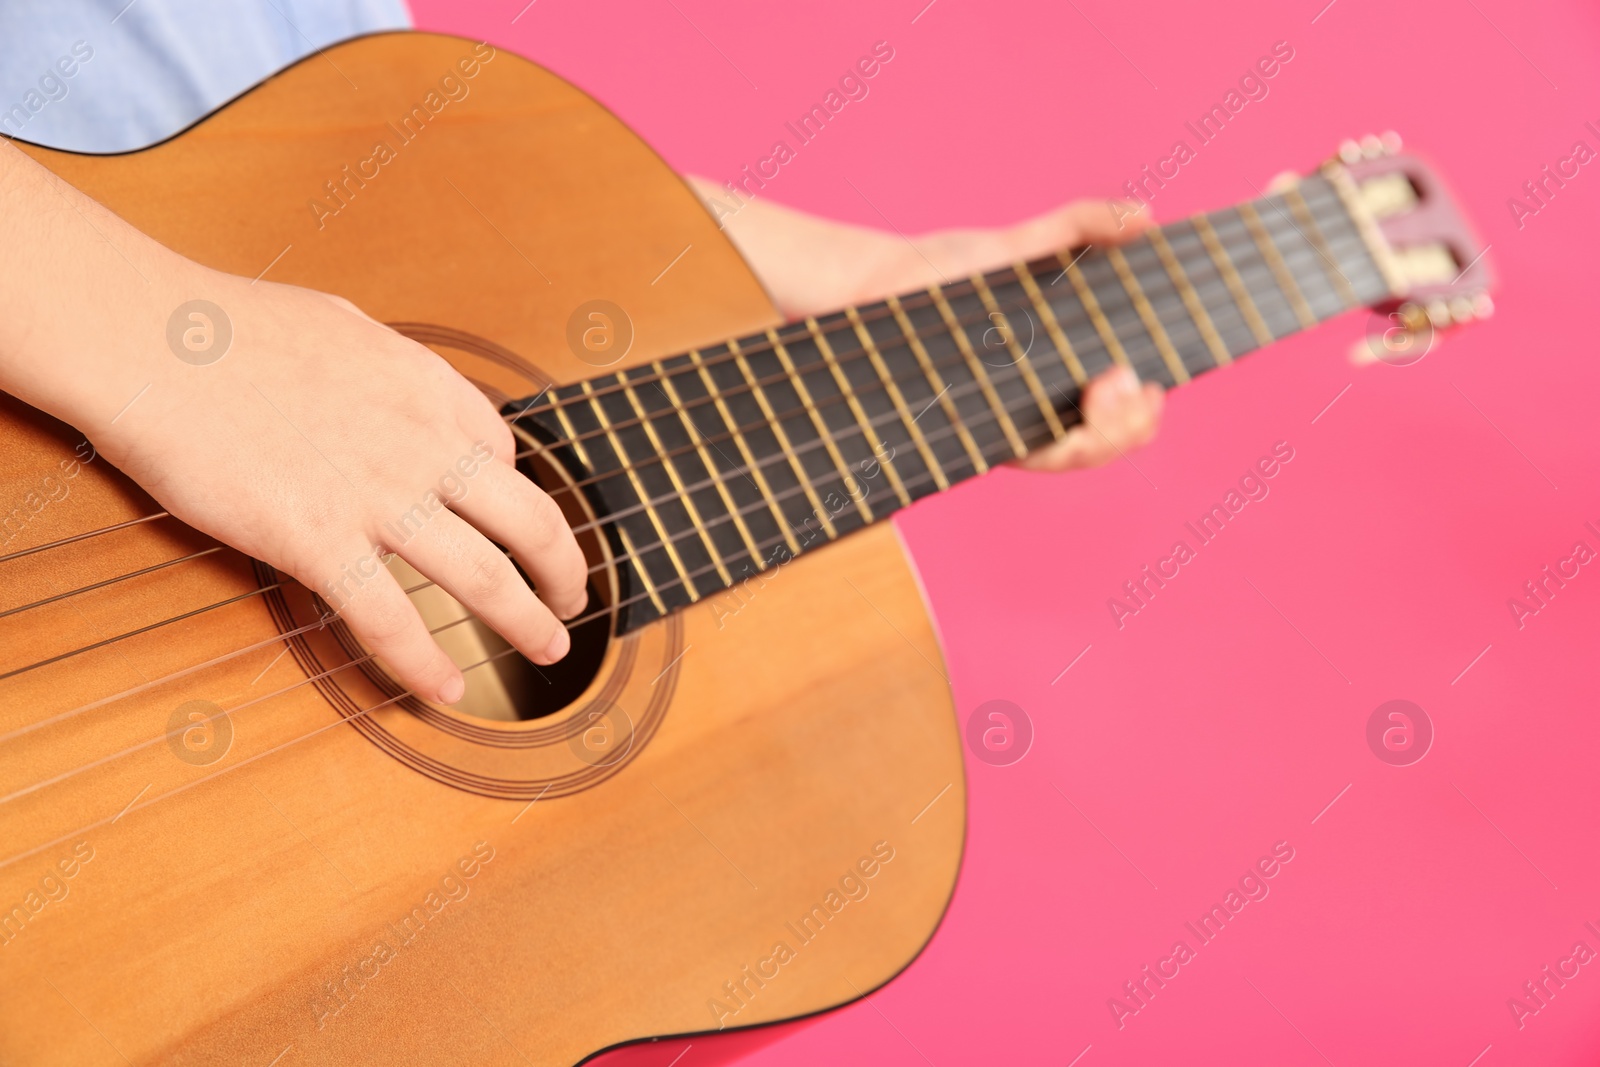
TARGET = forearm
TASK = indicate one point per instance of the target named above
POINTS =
(84, 298)
(809, 264)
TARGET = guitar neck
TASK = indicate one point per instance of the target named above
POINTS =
(710, 467)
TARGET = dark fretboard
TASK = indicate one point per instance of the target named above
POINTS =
(710, 467)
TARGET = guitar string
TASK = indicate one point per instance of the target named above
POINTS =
(7, 862)
(555, 491)
(184, 672)
(85, 535)
(916, 481)
(809, 484)
(965, 286)
(1247, 252)
(769, 380)
(635, 557)
(1092, 344)
(772, 379)
(178, 731)
(933, 330)
(873, 422)
(614, 518)
(78, 833)
(1095, 348)
(92, 586)
(610, 519)
(896, 344)
(342, 719)
(170, 620)
(34, 787)
(1213, 294)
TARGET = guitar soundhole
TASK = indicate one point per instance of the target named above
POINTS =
(502, 684)
(522, 731)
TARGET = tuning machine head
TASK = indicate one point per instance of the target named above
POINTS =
(1437, 269)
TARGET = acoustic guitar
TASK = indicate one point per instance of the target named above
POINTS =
(227, 835)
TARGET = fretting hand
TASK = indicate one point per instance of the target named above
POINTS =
(811, 266)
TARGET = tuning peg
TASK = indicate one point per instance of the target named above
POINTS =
(1410, 331)
(1439, 314)
(1463, 309)
(1414, 317)
(1371, 146)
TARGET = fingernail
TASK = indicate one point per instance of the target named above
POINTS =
(453, 690)
(558, 646)
(1126, 381)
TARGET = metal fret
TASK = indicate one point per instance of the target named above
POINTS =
(879, 451)
(1091, 305)
(1280, 269)
(751, 466)
(644, 494)
(670, 465)
(1052, 327)
(783, 440)
(1035, 387)
(639, 568)
(893, 389)
(1152, 324)
(1191, 299)
(699, 443)
(1313, 233)
(828, 443)
(979, 375)
(1230, 278)
(572, 434)
(938, 384)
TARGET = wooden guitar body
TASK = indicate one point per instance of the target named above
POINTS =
(331, 874)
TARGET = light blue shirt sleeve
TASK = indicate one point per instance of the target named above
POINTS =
(113, 76)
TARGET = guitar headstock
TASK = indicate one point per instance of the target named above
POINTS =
(1438, 270)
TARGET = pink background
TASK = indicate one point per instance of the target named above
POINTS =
(1209, 728)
